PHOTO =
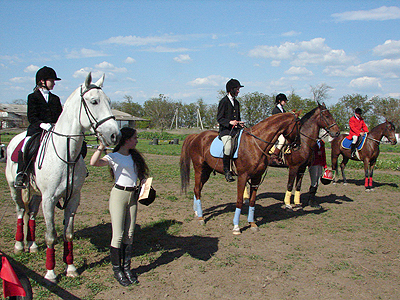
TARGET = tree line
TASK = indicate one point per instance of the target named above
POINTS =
(164, 112)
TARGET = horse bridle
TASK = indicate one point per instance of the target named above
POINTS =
(93, 124)
(326, 121)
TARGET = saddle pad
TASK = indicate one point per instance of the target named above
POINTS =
(217, 147)
(14, 156)
(346, 143)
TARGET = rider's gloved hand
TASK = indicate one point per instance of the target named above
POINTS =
(45, 126)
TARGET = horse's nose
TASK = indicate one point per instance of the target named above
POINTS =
(115, 138)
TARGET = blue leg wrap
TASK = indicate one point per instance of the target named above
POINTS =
(237, 216)
(197, 207)
(250, 217)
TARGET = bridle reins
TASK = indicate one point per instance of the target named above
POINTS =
(326, 128)
(94, 124)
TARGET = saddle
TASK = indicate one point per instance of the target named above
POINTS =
(346, 143)
(217, 147)
(30, 153)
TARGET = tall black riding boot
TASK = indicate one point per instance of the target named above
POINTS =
(20, 179)
(126, 263)
(226, 160)
(116, 266)
(353, 150)
(311, 197)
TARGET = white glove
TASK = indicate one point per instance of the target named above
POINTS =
(45, 126)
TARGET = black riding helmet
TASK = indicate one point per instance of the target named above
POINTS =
(232, 84)
(279, 98)
(358, 111)
(46, 73)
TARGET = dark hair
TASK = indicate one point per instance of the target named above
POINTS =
(141, 166)
(358, 111)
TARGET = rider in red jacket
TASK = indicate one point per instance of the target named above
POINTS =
(357, 128)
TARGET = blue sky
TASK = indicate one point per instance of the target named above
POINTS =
(187, 50)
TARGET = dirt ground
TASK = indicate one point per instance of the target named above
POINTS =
(350, 249)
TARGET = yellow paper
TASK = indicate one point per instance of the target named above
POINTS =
(144, 191)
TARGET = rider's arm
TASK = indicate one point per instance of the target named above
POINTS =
(95, 160)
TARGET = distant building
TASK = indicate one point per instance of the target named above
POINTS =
(13, 115)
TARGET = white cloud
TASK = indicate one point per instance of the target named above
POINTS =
(31, 69)
(129, 60)
(299, 71)
(84, 53)
(366, 83)
(388, 49)
(106, 66)
(382, 13)
(82, 73)
(212, 80)
(291, 33)
(19, 80)
(303, 53)
(162, 49)
(183, 58)
(275, 63)
(132, 40)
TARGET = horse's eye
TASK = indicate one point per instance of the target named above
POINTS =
(94, 101)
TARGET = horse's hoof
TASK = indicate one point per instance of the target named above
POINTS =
(32, 247)
(71, 271)
(51, 276)
(195, 214)
(287, 207)
(254, 227)
(236, 230)
(201, 221)
(344, 183)
(371, 189)
(367, 190)
(297, 207)
(18, 248)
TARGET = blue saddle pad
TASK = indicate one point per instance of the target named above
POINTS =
(346, 143)
(217, 148)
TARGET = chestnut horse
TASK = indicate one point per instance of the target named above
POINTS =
(250, 165)
(300, 157)
(368, 154)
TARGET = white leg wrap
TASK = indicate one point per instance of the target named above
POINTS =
(237, 216)
(250, 217)
(197, 207)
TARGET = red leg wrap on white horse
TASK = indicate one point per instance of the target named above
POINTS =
(31, 231)
(19, 236)
(68, 253)
(50, 259)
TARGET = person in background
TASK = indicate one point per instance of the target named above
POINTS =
(44, 109)
(280, 102)
(228, 118)
(127, 166)
(316, 169)
(358, 128)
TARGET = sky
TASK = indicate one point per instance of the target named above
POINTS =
(187, 50)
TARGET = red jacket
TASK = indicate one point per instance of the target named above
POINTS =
(356, 127)
(319, 155)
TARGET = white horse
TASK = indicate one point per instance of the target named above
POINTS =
(60, 170)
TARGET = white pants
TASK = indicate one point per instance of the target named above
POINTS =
(123, 211)
(227, 142)
(281, 142)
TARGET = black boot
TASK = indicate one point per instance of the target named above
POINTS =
(20, 179)
(226, 160)
(311, 198)
(126, 263)
(116, 266)
(353, 150)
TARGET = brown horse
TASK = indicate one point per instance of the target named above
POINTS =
(250, 165)
(300, 157)
(368, 154)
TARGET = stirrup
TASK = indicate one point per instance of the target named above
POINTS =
(21, 180)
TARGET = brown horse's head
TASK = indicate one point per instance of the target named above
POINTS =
(390, 132)
(327, 122)
(292, 131)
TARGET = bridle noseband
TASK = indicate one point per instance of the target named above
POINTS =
(94, 124)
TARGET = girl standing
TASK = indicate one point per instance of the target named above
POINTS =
(127, 165)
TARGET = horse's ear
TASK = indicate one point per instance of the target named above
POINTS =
(88, 80)
(299, 112)
(99, 82)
